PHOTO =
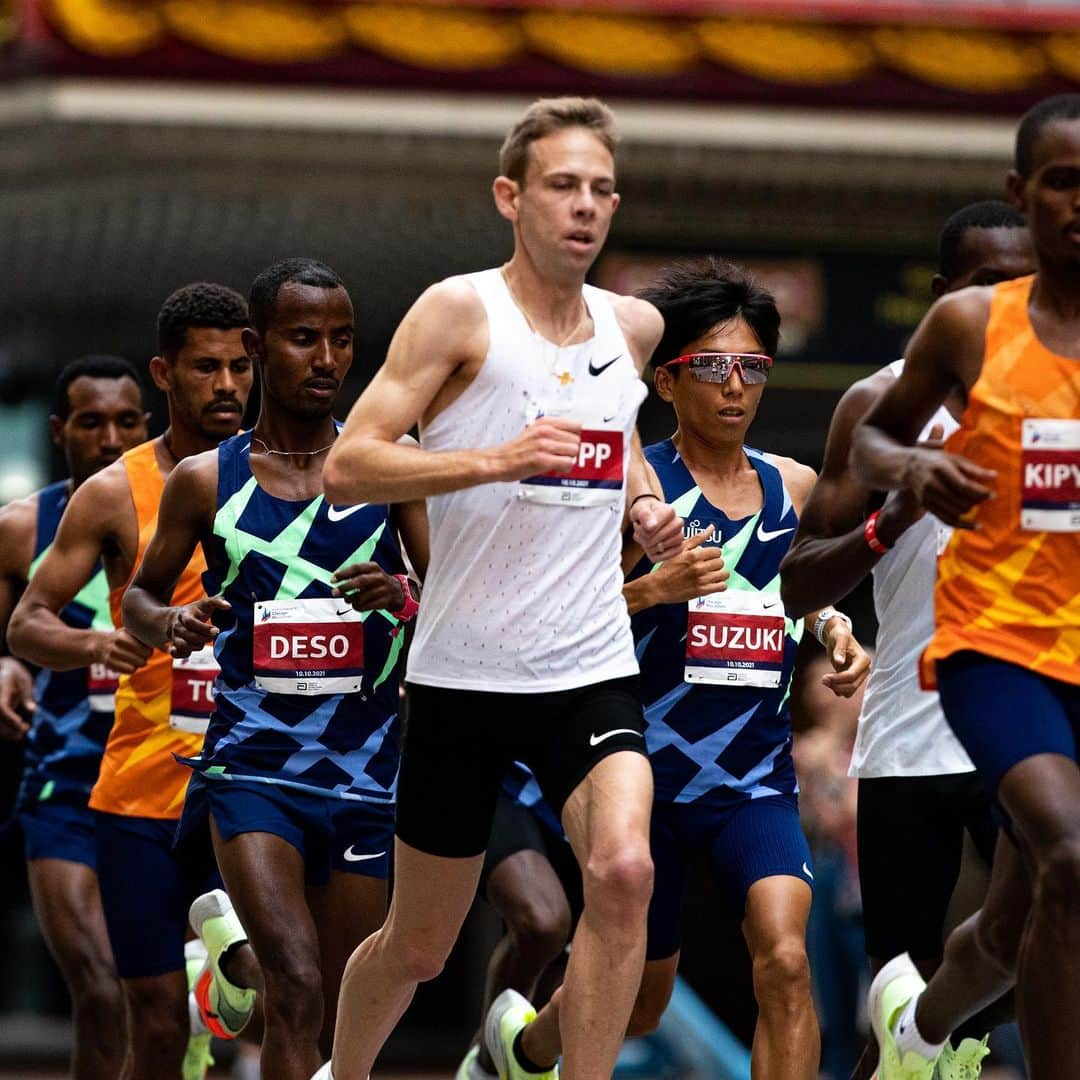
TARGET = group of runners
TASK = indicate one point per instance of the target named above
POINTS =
(207, 633)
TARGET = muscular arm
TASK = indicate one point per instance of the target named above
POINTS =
(443, 332)
(946, 351)
(100, 516)
(829, 555)
(17, 524)
(185, 517)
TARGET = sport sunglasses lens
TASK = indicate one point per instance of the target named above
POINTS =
(717, 367)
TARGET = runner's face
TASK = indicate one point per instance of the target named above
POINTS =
(1050, 196)
(307, 349)
(564, 208)
(714, 412)
(993, 255)
(105, 420)
(209, 381)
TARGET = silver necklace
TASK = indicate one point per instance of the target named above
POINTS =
(291, 453)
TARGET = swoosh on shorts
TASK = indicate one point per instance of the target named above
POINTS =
(351, 857)
(596, 740)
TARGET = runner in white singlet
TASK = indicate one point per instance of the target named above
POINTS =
(525, 384)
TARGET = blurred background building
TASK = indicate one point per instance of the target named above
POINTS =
(148, 143)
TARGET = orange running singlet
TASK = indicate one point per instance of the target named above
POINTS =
(139, 777)
(1010, 588)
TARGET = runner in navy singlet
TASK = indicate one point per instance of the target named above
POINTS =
(307, 600)
(98, 414)
(717, 654)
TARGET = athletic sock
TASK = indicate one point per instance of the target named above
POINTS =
(909, 1038)
(524, 1060)
(195, 1017)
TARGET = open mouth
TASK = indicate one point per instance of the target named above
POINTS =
(732, 412)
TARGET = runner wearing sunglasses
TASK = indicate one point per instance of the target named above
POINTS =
(716, 655)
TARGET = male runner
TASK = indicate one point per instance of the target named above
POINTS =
(525, 384)
(918, 790)
(145, 889)
(716, 686)
(98, 413)
(1007, 603)
(300, 762)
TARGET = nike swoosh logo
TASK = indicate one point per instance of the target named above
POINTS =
(350, 856)
(600, 370)
(341, 515)
(343, 611)
(765, 535)
(608, 419)
(807, 872)
(765, 607)
(596, 740)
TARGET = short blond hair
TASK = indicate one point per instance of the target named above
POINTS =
(547, 116)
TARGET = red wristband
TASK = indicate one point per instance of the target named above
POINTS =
(870, 532)
(411, 605)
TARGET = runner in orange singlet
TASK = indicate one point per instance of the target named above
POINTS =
(161, 708)
(1005, 654)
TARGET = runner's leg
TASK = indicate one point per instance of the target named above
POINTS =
(787, 1041)
(607, 823)
(980, 954)
(432, 896)
(67, 904)
(346, 911)
(264, 875)
(1042, 796)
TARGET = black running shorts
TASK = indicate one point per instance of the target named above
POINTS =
(911, 837)
(458, 744)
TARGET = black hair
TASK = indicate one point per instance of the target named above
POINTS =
(265, 288)
(1059, 107)
(988, 214)
(696, 295)
(200, 304)
(93, 367)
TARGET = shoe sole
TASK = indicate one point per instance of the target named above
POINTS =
(897, 966)
(210, 905)
(507, 1000)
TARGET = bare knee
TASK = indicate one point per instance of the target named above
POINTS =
(539, 931)
(620, 883)
(420, 961)
(1058, 882)
(159, 1014)
(294, 997)
(782, 974)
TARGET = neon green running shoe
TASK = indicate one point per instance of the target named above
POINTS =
(893, 987)
(225, 1007)
(471, 1069)
(509, 1013)
(963, 1063)
(197, 1057)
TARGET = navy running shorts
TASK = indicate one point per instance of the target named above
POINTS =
(350, 836)
(1003, 713)
(147, 886)
(56, 829)
(744, 842)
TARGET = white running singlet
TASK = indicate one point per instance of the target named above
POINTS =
(902, 730)
(524, 589)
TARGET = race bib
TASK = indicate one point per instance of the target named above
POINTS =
(595, 480)
(735, 639)
(101, 685)
(1050, 497)
(308, 647)
(193, 691)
